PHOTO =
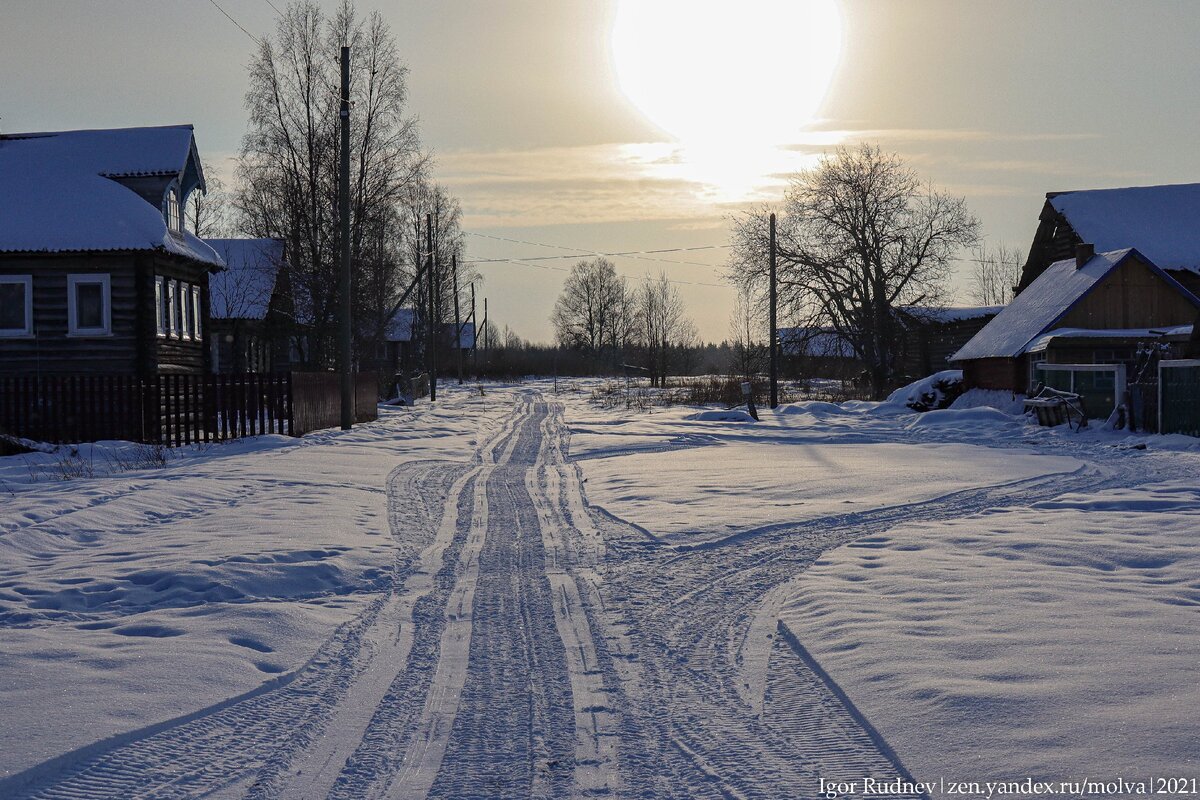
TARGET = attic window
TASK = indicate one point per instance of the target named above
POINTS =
(172, 210)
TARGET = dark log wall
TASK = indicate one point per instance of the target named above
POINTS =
(176, 355)
(51, 350)
(996, 373)
(132, 348)
(928, 347)
(1188, 279)
(1054, 240)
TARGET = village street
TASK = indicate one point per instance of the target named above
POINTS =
(521, 640)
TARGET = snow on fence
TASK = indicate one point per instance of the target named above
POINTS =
(1179, 396)
(175, 409)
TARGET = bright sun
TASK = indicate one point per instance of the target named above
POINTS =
(727, 77)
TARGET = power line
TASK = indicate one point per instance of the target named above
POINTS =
(235, 22)
(624, 254)
(272, 5)
(565, 269)
(642, 255)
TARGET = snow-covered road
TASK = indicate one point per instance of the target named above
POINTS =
(528, 644)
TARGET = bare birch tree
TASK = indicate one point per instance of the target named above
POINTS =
(289, 158)
(860, 234)
(209, 212)
(748, 344)
(664, 332)
(994, 274)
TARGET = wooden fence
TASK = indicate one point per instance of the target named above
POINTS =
(176, 409)
(317, 400)
(1179, 396)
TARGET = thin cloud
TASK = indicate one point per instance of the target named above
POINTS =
(648, 181)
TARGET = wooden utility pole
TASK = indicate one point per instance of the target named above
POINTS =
(485, 334)
(774, 333)
(431, 326)
(344, 213)
(458, 327)
(475, 337)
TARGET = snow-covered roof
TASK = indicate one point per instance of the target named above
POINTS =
(1162, 222)
(466, 340)
(400, 329)
(1042, 342)
(244, 289)
(400, 326)
(814, 342)
(952, 314)
(1042, 304)
(58, 191)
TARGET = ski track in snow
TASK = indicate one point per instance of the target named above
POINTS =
(532, 646)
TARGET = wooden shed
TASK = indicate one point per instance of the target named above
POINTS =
(933, 334)
(1097, 306)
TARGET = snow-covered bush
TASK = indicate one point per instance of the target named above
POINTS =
(928, 394)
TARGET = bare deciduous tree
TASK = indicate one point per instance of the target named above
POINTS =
(289, 159)
(664, 332)
(208, 212)
(996, 271)
(592, 313)
(860, 235)
(747, 339)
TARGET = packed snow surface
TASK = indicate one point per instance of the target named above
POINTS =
(514, 592)
(731, 487)
(1049, 641)
(155, 593)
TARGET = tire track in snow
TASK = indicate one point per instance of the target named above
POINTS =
(390, 637)
(424, 756)
(513, 735)
(239, 745)
(705, 671)
(596, 720)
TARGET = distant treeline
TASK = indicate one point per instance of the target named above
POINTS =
(513, 357)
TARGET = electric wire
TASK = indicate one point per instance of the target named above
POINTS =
(643, 255)
(235, 22)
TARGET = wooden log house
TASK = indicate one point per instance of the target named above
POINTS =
(1160, 221)
(254, 324)
(98, 274)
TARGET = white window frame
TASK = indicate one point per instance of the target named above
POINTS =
(160, 318)
(27, 331)
(73, 282)
(1035, 360)
(196, 332)
(172, 304)
(185, 310)
(173, 208)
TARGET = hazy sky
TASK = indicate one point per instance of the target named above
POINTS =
(547, 126)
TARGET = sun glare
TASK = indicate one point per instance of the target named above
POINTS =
(729, 81)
